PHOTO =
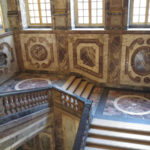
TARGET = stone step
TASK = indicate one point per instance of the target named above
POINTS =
(92, 148)
(120, 136)
(81, 87)
(68, 82)
(74, 85)
(120, 126)
(86, 93)
(117, 145)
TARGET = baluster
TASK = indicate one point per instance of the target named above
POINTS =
(76, 105)
(2, 107)
(32, 99)
(12, 104)
(29, 100)
(68, 101)
(40, 98)
(17, 104)
(43, 97)
(25, 101)
(72, 103)
(62, 98)
(6, 105)
(21, 103)
(36, 98)
(65, 99)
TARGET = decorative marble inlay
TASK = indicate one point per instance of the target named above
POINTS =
(39, 52)
(87, 55)
(132, 104)
(141, 60)
(32, 83)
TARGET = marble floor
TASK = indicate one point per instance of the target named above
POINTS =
(27, 81)
(112, 104)
(124, 105)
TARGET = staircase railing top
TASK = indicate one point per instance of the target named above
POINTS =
(52, 86)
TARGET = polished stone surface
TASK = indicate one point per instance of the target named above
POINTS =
(32, 83)
(28, 81)
(127, 104)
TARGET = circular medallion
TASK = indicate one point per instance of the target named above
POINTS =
(38, 52)
(32, 83)
(132, 104)
(141, 61)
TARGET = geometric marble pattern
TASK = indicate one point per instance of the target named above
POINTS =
(88, 55)
(133, 104)
(32, 83)
(127, 104)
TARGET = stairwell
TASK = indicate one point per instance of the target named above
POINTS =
(108, 134)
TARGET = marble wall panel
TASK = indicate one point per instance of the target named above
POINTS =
(8, 61)
(61, 21)
(39, 52)
(62, 51)
(115, 45)
(135, 60)
(88, 55)
(70, 126)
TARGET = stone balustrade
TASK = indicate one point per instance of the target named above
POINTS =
(17, 103)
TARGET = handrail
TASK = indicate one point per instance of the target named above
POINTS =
(53, 86)
(82, 132)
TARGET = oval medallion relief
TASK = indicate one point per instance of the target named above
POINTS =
(133, 104)
(38, 52)
(141, 60)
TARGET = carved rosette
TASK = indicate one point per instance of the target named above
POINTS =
(39, 52)
(88, 56)
(6, 57)
(137, 61)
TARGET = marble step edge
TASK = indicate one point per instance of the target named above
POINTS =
(74, 85)
(96, 142)
(120, 136)
(123, 126)
(93, 148)
(68, 82)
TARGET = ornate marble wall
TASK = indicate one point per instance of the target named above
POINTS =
(116, 59)
(88, 55)
(8, 62)
(39, 51)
